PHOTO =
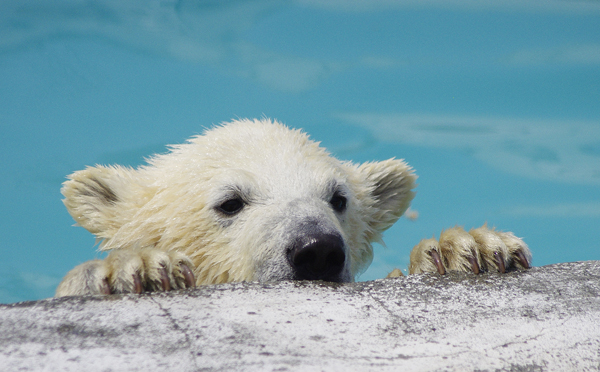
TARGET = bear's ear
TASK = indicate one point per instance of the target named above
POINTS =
(390, 183)
(97, 198)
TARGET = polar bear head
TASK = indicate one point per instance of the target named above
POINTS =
(247, 201)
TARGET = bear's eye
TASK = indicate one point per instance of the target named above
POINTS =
(338, 202)
(231, 206)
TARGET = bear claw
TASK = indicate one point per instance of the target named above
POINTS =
(500, 262)
(474, 264)
(137, 284)
(164, 279)
(522, 259)
(105, 287)
(188, 275)
(435, 256)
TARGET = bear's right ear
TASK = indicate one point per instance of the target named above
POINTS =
(390, 183)
(97, 198)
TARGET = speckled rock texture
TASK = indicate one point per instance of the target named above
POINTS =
(543, 319)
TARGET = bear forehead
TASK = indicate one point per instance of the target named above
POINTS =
(248, 142)
(280, 162)
(262, 155)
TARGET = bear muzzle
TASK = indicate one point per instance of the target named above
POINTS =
(318, 256)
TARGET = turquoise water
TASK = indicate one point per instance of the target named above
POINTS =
(496, 106)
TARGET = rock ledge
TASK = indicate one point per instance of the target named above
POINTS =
(546, 318)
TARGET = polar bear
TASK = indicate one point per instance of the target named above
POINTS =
(253, 200)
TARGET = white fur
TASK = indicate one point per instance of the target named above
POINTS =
(165, 220)
(285, 180)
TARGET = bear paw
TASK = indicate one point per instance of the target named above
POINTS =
(480, 249)
(129, 271)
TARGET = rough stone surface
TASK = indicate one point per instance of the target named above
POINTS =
(546, 318)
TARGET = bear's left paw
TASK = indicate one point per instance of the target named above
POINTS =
(129, 271)
(148, 270)
(480, 249)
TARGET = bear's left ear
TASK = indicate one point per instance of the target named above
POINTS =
(100, 198)
(390, 183)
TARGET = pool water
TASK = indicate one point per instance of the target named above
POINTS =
(495, 104)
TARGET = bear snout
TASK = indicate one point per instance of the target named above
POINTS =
(318, 256)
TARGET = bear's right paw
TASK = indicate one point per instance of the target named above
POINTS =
(480, 249)
(129, 271)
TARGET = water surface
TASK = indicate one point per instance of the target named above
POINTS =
(495, 104)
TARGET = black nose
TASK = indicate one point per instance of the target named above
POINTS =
(318, 257)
